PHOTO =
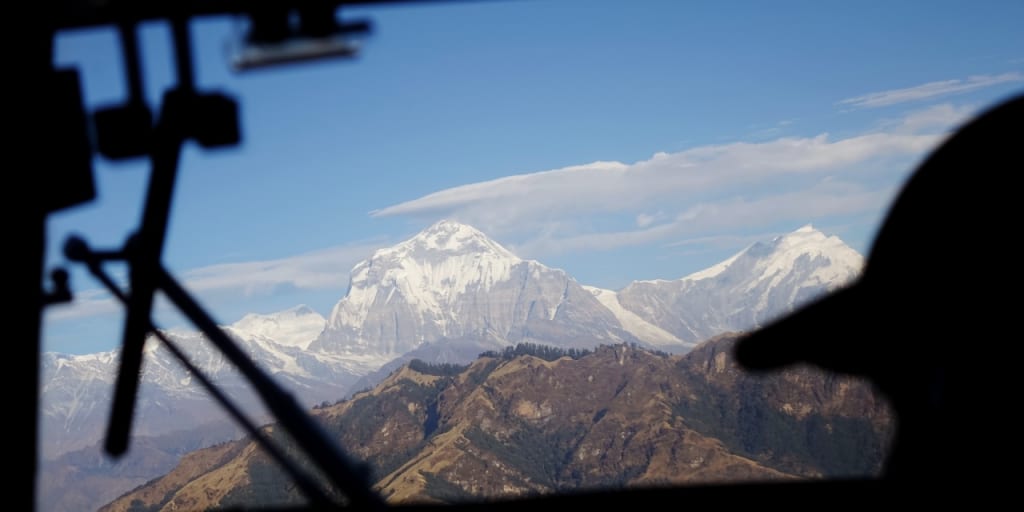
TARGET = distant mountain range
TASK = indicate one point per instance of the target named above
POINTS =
(77, 388)
(760, 283)
(445, 295)
(539, 420)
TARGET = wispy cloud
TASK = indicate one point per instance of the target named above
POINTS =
(930, 90)
(615, 186)
(937, 117)
(86, 303)
(646, 219)
(703, 191)
(666, 181)
(317, 270)
(714, 190)
(727, 240)
(322, 269)
(825, 199)
(773, 131)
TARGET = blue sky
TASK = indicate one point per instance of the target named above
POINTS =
(615, 140)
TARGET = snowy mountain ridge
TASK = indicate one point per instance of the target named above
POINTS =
(76, 389)
(293, 327)
(451, 281)
(429, 271)
(634, 323)
(447, 293)
(762, 282)
(788, 251)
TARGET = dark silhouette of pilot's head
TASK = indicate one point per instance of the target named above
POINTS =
(933, 320)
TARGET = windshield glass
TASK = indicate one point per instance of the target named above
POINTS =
(507, 247)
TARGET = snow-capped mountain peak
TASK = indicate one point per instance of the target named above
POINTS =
(449, 291)
(754, 286)
(447, 237)
(777, 258)
(451, 281)
(426, 272)
(836, 264)
(294, 327)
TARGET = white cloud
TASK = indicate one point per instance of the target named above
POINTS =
(727, 240)
(703, 191)
(827, 198)
(517, 203)
(316, 270)
(937, 117)
(776, 130)
(930, 90)
(645, 219)
(325, 268)
(86, 303)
